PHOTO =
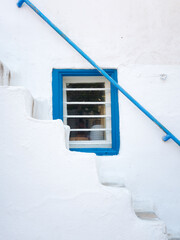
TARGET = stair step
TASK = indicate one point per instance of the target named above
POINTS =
(147, 216)
(173, 238)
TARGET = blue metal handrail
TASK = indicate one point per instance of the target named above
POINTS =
(148, 114)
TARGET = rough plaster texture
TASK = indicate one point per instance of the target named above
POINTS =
(48, 192)
(149, 166)
(5, 75)
(141, 39)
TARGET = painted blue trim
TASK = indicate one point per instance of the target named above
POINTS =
(148, 114)
(20, 3)
(97, 151)
(115, 113)
(166, 138)
(57, 98)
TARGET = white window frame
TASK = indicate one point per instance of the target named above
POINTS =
(89, 79)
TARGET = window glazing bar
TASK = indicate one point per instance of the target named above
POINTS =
(87, 116)
(83, 54)
(86, 89)
(89, 129)
(88, 103)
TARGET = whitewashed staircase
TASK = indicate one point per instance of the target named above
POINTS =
(48, 192)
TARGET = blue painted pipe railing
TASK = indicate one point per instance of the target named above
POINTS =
(149, 115)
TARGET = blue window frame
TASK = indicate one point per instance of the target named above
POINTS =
(58, 76)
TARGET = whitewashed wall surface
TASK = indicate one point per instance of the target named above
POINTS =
(139, 38)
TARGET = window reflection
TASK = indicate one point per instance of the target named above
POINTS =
(85, 109)
(85, 96)
(87, 128)
(77, 123)
(90, 129)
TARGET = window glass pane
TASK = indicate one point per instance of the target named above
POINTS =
(86, 109)
(78, 123)
(85, 85)
(87, 135)
(85, 96)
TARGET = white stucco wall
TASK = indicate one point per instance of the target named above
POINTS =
(148, 165)
(48, 192)
(141, 39)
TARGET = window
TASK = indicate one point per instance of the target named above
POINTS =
(88, 103)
